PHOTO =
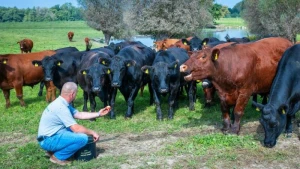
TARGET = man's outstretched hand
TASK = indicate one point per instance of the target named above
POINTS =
(104, 111)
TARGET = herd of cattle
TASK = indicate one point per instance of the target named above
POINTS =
(236, 69)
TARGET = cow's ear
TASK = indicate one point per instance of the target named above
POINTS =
(215, 54)
(107, 70)
(59, 62)
(146, 69)
(84, 71)
(36, 63)
(283, 109)
(4, 61)
(205, 41)
(173, 65)
(129, 63)
(104, 61)
(185, 41)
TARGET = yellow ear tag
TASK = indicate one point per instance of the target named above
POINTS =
(147, 71)
(204, 43)
(216, 56)
(175, 65)
(257, 109)
(283, 112)
(58, 64)
(103, 62)
(36, 65)
(198, 81)
(108, 71)
(184, 43)
(128, 64)
(4, 62)
(84, 72)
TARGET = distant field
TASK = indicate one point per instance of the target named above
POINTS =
(193, 139)
(45, 35)
(230, 22)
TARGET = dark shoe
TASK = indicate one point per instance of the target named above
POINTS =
(53, 159)
(49, 153)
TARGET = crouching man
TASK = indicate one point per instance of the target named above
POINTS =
(58, 133)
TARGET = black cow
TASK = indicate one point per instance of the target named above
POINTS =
(167, 79)
(61, 67)
(238, 40)
(94, 79)
(118, 46)
(284, 98)
(106, 50)
(127, 75)
(195, 44)
(60, 50)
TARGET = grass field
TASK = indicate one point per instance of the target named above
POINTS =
(192, 140)
(231, 22)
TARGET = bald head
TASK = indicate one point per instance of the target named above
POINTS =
(69, 87)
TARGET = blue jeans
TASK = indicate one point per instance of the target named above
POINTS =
(64, 143)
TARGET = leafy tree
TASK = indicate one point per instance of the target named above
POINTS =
(105, 16)
(169, 18)
(218, 11)
(273, 17)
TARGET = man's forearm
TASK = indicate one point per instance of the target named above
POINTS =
(86, 115)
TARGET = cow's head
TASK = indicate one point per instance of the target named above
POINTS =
(117, 67)
(49, 64)
(97, 76)
(201, 64)
(22, 44)
(161, 73)
(273, 121)
(158, 45)
(195, 44)
(183, 43)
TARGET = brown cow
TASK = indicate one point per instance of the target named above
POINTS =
(70, 35)
(237, 71)
(17, 71)
(88, 44)
(26, 45)
(164, 44)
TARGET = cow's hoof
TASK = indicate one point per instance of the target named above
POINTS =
(192, 108)
(288, 135)
(207, 105)
(40, 94)
(170, 118)
(159, 119)
(225, 131)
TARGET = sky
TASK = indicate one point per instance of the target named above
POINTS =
(50, 3)
(36, 3)
(228, 3)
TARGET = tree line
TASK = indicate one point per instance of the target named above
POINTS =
(65, 12)
(177, 19)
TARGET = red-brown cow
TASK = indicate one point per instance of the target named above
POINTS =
(26, 45)
(88, 44)
(17, 71)
(237, 71)
(70, 36)
(164, 44)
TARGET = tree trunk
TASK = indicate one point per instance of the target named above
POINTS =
(107, 37)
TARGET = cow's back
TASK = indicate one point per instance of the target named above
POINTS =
(252, 64)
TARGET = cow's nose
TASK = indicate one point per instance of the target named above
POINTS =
(96, 89)
(115, 84)
(48, 79)
(163, 90)
(183, 68)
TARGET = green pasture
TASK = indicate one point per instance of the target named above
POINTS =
(207, 147)
(230, 22)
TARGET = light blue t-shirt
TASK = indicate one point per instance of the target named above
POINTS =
(57, 116)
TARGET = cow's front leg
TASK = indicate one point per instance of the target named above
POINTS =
(156, 98)
(85, 99)
(172, 100)
(130, 101)
(6, 94)
(225, 116)
(239, 112)
(192, 95)
(112, 103)
(19, 93)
